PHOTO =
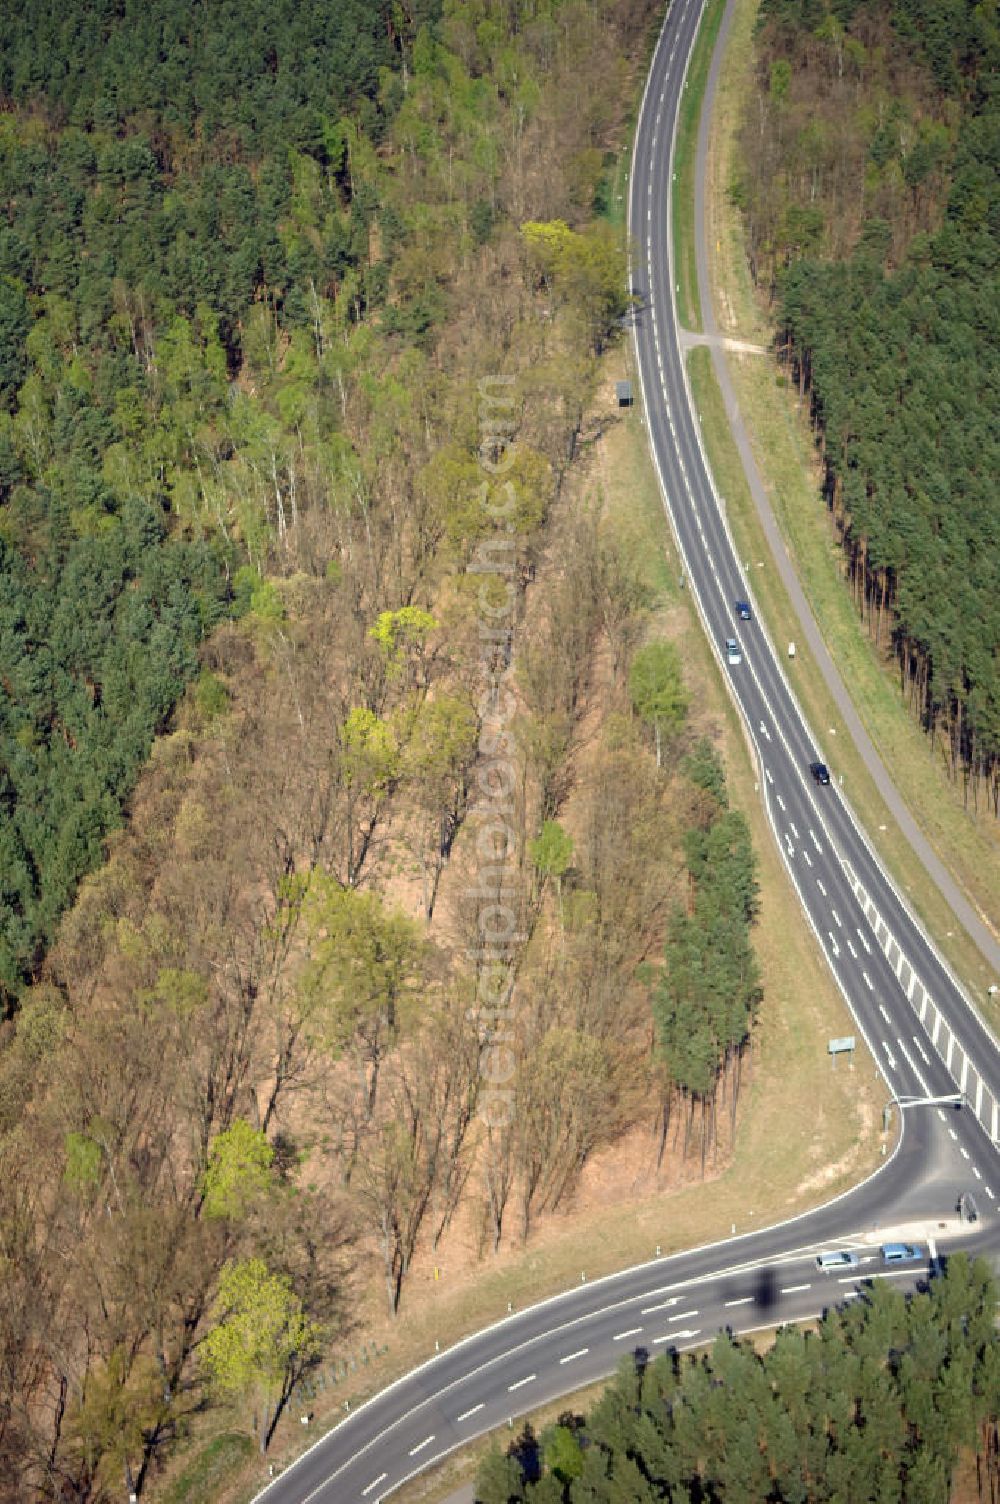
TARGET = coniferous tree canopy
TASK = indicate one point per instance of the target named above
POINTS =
(877, 1405)
(180, 185)
(887, 271)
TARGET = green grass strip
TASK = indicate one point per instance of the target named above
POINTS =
(685, 158)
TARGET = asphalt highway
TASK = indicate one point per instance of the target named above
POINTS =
(923, 1033)
(533, 1357)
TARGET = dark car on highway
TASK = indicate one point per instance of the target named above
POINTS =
(820, 772)
(743, 610)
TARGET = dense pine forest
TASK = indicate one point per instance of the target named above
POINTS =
(175, 197)
(872, 202)
(290, 298)
(882, 1402)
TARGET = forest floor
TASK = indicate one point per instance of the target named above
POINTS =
(967, 843)
(804, 1132)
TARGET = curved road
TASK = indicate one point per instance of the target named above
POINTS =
(922, 1031)
(538, 1355)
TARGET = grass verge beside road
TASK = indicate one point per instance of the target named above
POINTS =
(685, 153)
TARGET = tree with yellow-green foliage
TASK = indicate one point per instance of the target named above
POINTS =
(238, 1170)
(584, 268)
(261, 1342)
(362, 979)
(369, 767)
(441, 738)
